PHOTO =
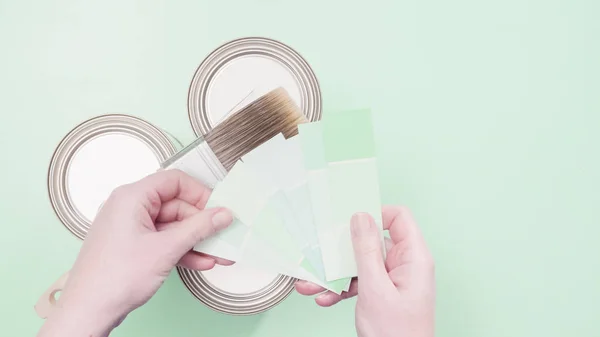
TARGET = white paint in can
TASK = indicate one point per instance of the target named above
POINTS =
(97, 156)
(104, 164)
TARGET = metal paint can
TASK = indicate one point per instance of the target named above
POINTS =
(242, 70)
(97, 156)
(233, 75)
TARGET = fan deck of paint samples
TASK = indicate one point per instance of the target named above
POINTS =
(293, 200)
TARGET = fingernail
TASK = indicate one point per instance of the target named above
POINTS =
(222, 219)
(361, 224)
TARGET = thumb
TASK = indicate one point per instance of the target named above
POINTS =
(196, 228)
(368, 249)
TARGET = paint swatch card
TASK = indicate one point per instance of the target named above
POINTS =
(258, 236)
(293, 200)
(344, 181)
(245, 205)
(311, 139)
(279, 162)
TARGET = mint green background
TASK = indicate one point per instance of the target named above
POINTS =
(487, 122)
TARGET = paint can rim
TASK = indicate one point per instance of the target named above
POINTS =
(232, 304)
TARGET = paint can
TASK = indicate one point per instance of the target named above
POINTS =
(93, 159)
(244, 69)
(97, 156)
(237, 290)
(229, 78)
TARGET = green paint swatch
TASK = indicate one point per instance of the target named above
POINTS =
(337, 286)
(311, 141)
(348, 135)
(343, 180)
(311, 137)
(293, 213)
(269, 225)
(240, 192)
(258, 236)
(353, 187)
(286, 177)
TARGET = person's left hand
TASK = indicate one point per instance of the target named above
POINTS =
(139, 235)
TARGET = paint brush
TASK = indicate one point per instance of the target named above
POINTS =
(211, 156)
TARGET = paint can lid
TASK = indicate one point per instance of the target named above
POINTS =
(240, 71)
(97, 156)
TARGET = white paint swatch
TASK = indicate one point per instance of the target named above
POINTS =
(280, 162)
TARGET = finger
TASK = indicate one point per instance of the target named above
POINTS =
(409, 242)
(368, 250)
(196, 261)
(220, 261)
(202, 261)
(330, 298)
(401, 224)
(174, 183)
(175, 210)
(184, 235)
(166, 185)
(308, 288)
(393, 257)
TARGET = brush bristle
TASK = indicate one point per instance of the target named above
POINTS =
(259, 121)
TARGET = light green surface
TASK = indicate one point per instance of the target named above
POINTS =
(486, 117)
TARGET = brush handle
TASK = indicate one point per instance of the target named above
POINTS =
(48, 302)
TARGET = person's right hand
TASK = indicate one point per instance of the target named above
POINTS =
(395, 298)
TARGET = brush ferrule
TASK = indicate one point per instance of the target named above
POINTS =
(199, 161)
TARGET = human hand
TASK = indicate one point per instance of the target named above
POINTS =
(141, 232)
(395, 298)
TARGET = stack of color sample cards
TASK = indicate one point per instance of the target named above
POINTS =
(293, 200)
